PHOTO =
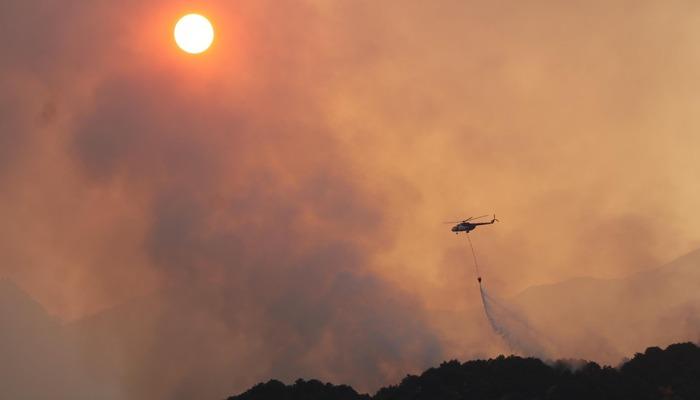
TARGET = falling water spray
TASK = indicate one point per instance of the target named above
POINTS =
(511, 327)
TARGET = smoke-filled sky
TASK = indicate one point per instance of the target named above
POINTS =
(299, 172)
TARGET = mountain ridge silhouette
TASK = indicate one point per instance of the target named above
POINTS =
(672, 373)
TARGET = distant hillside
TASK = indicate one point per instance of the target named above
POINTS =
(673, 373)
(154, 346)
(38, 361)
(593, 318)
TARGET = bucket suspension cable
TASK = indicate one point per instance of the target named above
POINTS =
(476, 263)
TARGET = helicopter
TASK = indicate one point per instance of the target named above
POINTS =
(468, 226)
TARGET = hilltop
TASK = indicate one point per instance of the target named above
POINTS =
(671, 373)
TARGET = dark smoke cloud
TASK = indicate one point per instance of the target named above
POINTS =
(248, 218)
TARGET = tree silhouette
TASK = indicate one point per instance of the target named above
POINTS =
(670, 374)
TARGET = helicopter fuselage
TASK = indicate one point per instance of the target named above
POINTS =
(467, 226)
(463, 227)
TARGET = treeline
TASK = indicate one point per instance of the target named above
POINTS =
(670, 374)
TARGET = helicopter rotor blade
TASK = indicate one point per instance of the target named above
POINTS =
(471, 218)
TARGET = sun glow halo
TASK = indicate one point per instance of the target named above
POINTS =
(194, 33)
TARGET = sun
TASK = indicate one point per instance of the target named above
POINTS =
(194, 33)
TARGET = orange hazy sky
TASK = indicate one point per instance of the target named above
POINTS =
(306, 162)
